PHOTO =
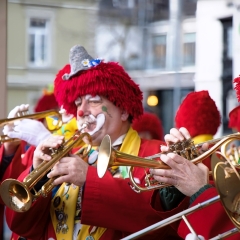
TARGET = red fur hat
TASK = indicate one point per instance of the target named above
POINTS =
(85, 75)
(149, 122)
(234, 118)
(46, 102)
(199, 114)
(237, 87)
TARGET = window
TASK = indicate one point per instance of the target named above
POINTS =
(189, 40)
(38, 33)
(159, 51)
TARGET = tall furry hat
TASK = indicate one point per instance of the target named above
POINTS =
(85, 75)
(234, 118)
(234, 115)
(47, 101)
(199, 114)
(149, 122)
(236, 81)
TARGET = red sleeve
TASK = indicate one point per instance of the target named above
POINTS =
(111, 202)
(209, 221)
(33, 223)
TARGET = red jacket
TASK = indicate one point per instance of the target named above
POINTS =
(209, 221)
(14, 169)
(107, 202)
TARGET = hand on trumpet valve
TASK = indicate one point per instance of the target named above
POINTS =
(71, 169)
(43, 151)
(15, 112)
(183, 174)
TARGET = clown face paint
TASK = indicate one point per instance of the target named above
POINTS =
(65, 117)
(102, 117)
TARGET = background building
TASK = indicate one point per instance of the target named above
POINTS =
(40, 34)
(169, 47)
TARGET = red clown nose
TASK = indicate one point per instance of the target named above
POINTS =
(80, 113)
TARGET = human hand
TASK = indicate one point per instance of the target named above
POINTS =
(15, 112)
(31, 131)
(184, 175)
(70, 169)
(43, 150)
(191, 236)
(11, 146)
(179, 135)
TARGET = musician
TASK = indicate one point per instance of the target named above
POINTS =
(199, 114)
(193, 181)
(84, 206)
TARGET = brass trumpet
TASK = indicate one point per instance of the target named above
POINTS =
(109, 157)
(18, 196)
(24, 115)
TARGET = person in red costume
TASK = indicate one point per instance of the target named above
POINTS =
(199, 114)
(193, 181)
(105, 100)
(29, 132)
(148, 126)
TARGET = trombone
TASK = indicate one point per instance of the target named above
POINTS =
(228, 186)
(24, 115)
(18, 196)
(109, 157)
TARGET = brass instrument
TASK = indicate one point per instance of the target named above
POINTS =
(109, 157)
(18, 196)
(25, 115)
(228, 187)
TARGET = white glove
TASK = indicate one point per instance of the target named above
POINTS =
(31, 131)
(15, 113)
(191, 236)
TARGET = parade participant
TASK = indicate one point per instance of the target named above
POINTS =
(26, 132)
(199, 114)
(12, 163)
(148, 126)
(193, 181)
(105, 98)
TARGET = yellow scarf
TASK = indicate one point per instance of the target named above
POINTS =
(202, 138)
(130, 145)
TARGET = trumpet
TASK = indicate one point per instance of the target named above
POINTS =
(227, 183)
(18, 195)
(24, 115)
(109, 157)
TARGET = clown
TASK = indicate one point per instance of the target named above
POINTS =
(105, 101)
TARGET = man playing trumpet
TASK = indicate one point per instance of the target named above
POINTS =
(105, 100)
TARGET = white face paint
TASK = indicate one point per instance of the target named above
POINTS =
(65, 117)
(99, 122)
(92, 121)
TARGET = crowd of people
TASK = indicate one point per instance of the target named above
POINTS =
(99, 98)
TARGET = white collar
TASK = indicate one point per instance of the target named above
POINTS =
(119, 141)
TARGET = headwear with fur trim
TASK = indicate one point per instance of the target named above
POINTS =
(46, 102)
(236, 81)
(86, 75)
(234, 118)
(199, 114)
(151, 123)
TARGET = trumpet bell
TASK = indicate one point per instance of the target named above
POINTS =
(16, 196)
(104, 156)
(109, 157)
